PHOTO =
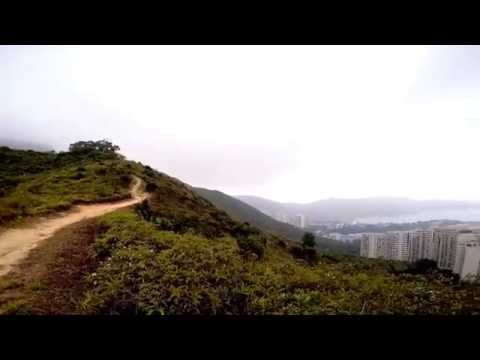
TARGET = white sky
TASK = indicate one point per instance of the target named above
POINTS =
(290, 123)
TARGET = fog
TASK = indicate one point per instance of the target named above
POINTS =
(289, 123)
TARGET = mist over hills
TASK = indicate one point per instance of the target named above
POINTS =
(352, 209)
(24, 145)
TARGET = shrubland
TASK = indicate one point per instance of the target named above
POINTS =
(176, 253)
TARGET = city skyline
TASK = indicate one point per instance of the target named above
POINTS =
(452, 250)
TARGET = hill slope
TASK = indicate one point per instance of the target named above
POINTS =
(178, 254)
(243, 212)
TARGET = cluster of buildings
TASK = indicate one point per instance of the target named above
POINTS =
(298, 220)
(343, 237)
(451, 249)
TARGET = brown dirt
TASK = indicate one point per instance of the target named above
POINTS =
(15, 244)
(53, 276)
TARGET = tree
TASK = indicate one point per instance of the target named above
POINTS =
(102, 146)
(424, 266)
(308, 240)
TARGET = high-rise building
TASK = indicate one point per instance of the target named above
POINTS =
(421, 245)
(370, 246)
(300, 221)
(467, 256)
(459, 252)
(446, 241)
(400, 246)
(389, 246)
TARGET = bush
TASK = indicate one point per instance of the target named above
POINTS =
(296, 251)
(151, 187)
(308, 240)
(252, 244)
(422, 266)
(308, 254)
(77, 176)
(102, 171)
(144, 210)
(163, 224)
(282, 244)
(149, 272)
(125, 178)
(62, 206)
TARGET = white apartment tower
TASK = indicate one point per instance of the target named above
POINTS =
(400, 246)
(389, 246)
(300, 221)
(367, 246)
(467, 257)
(422, 245)
(446, 241)
(459, 252)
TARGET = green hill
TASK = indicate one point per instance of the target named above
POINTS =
(243, 212)
(178, 254)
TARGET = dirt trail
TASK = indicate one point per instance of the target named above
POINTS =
(16, 243)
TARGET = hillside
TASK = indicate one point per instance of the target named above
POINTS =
(176, 253)
(35, 183)
(243, 212)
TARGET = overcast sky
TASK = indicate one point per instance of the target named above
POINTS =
(290, 123)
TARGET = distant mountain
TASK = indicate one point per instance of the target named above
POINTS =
(24, 145)
(351, 209)
(243, 212)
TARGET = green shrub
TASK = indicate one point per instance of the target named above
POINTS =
(101, 171)
(149, 272)
(310, 255)
(252, 244)
(78, 176)
(151, 187)
(125, 178)
(144, 210)
(282, 244)
(163, 224)
(308, 240)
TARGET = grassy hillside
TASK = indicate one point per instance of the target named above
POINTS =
(243, 212)
(34, 183)
(123, 264)
(178, 254)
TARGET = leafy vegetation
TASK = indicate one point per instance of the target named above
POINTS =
(308, 240)
(178, 254)
(33, 183)
(243, 212)
(147, 271)
(101, 146)
(339, 247)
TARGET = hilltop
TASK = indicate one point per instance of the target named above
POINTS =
(177, 253)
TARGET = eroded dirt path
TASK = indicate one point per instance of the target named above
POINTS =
(16, 243)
